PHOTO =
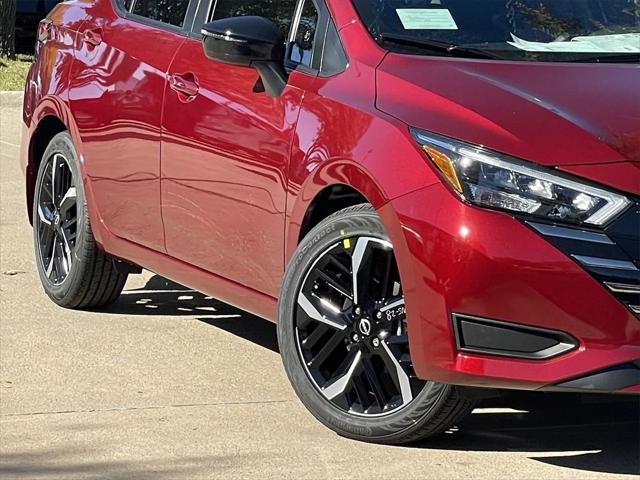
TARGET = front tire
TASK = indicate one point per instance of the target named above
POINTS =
(73, 271)
(343, 338)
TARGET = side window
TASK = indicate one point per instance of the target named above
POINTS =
(301, 49)
(172, 12)
(334, 59)
(279, 11)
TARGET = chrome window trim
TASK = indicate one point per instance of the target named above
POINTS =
(297, 15)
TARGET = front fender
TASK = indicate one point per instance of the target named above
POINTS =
(330, 173)
(351, 174)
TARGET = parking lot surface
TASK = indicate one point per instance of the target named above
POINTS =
(171, 384)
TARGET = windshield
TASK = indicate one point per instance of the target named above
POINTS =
(534, 30)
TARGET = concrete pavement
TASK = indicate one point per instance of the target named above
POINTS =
(171, 384)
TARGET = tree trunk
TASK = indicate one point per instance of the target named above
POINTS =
(8, 28)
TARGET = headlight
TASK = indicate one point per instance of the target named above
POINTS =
(489, 179)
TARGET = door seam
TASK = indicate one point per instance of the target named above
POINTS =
(162, 111)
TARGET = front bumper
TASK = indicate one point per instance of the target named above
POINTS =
(458, 261)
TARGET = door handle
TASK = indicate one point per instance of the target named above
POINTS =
(92, 37)
(185, 84)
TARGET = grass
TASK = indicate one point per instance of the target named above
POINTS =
(14, 72)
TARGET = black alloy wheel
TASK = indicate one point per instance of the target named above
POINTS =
(351, 328)
(74, 271)
(344, 339)
(56, 221)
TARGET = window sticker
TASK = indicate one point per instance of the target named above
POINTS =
(426, 19)
(618, 43)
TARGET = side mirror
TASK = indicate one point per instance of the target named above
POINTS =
(252, 42)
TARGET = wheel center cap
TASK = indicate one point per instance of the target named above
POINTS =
(364, 325)
(56, 219)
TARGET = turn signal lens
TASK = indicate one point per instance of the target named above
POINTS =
(445, 165)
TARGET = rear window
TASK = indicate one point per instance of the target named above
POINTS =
(172, 12)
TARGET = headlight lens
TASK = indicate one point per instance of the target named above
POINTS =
(490, 179)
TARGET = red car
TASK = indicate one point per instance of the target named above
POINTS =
(428, 196)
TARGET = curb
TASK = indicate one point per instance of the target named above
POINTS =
(11, 99)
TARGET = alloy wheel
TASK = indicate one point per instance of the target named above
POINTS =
(351, 332)
(56, 219)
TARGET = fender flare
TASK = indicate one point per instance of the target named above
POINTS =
(330, 173)
(51, 106)
(349, 173)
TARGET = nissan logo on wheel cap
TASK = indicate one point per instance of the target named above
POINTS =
(365, 326)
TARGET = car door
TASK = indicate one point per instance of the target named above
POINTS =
(225, 152)
(118, 81)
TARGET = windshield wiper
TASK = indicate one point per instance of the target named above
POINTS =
(437, 46)
(610, 58)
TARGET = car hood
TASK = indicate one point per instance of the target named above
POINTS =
(549, 113)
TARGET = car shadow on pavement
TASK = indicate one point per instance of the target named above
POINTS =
(591, 433)
(595, 433)
(161, 296)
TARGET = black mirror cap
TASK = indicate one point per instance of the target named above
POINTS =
(243, 40)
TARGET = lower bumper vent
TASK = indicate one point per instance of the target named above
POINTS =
(492, 337)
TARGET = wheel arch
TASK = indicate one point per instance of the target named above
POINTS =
(51, 117)
(328, 201)
(329, 188)
(48, 127)
(340, 184)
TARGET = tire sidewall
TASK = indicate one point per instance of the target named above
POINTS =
(62, 144)
(386, 429)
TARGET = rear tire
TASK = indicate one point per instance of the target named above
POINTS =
(73, 271)
(397, 409)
